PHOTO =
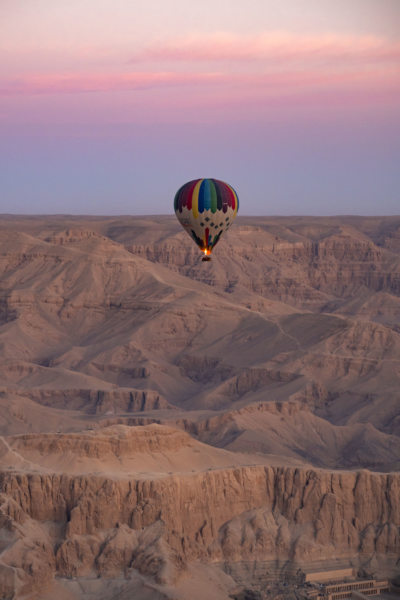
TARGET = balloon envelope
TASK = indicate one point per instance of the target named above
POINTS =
(206, 208)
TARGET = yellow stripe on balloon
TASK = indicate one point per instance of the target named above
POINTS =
(195, 199)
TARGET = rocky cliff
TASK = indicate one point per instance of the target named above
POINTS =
(74, 526)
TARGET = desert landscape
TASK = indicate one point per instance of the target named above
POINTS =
(179, 429)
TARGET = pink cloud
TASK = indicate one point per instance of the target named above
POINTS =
(105, 82)
(274, 83)
(222, 73)
(273, 47)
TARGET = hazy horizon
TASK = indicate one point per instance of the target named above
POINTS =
(172, 215)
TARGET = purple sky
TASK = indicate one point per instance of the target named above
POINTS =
(109, 106)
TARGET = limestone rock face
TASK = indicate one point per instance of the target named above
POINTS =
(156, 526)
(118, 440)
(339, 259)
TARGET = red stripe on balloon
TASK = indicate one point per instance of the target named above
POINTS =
(226, 195)
(180, 198)
(190, 194)
(231, 196)
(185, 197)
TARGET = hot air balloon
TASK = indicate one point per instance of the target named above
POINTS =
(206, 208)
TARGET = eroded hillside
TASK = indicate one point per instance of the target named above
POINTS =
(157, 411)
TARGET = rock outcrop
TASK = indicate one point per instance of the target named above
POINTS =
(156, 526)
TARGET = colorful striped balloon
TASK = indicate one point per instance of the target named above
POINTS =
(206, 208)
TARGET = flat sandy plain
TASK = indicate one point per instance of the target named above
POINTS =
(173, 428)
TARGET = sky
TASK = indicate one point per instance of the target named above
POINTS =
(108, 106)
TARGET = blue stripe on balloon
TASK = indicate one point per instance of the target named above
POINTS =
(201, 197)
(207, 194)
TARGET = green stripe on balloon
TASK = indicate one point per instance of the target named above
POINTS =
(213, 197)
